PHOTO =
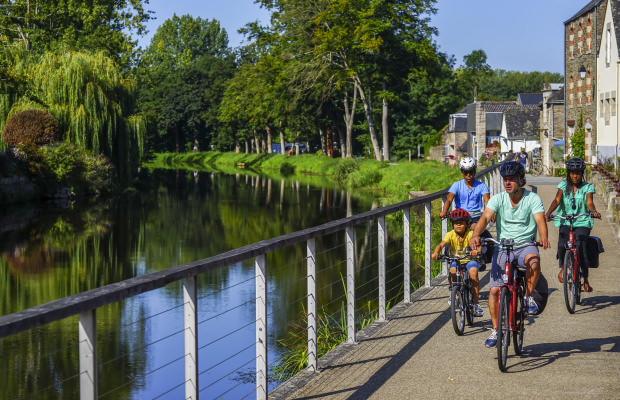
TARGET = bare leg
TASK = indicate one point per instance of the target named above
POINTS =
(493, 299)
(475, 283)
(532, 273)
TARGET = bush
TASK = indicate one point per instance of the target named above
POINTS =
(560, 172)
(344, 169)
(31, 127)
(557, 153)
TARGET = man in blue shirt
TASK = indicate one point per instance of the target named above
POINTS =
(468, 193)
(519, 214)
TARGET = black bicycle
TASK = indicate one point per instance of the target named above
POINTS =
(571, 271)
(461, 295)
(511, 311)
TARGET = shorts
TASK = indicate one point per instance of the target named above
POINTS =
(469, 265)
(499, 258)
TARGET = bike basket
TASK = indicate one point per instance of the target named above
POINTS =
(593, 248)
(541, 293)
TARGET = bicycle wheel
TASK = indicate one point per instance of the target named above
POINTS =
(569, 282)
(469, 305)
(457, 309)
(503, 328)
(517, 335)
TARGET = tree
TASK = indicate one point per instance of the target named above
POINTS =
(354, 42)
(182, 76)
(93, 102)
(474, 71)
(90, 25)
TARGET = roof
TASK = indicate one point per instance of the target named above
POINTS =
(460, 124)
(557, 97)
(522, 122)
(494, 121)
(501, 106)
(529, 98)
(592, 4)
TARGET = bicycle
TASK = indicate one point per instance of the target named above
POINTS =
(571, 273)
(511, 311)
(461, 295)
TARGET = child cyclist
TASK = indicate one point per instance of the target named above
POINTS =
(574, 196)
(458, 239)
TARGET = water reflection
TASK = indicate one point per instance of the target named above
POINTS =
(175, 217)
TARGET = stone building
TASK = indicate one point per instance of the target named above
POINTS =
(551, 119)
(582, 40)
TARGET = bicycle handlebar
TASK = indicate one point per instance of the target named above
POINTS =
(455, 258)
(505, 243)
(572, 217)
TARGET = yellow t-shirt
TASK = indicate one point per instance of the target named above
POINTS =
(458, 244)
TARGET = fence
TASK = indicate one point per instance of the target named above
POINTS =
(85, 305)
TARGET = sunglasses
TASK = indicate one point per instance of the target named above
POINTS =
(573, 203)
(468, 172)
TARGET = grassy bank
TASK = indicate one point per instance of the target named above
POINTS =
(393, 181)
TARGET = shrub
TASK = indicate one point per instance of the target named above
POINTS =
(31, 127)
(344, 169)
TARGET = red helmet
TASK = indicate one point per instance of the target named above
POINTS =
(459, 214)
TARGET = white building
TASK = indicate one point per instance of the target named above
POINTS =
(607, 84)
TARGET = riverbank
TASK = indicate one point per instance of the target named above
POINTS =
(393, 181)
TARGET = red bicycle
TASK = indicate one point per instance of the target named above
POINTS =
(571, 273)
(511, 312)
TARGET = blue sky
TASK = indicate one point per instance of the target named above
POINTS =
(517, 35)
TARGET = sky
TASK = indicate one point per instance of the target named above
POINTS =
(516, 35)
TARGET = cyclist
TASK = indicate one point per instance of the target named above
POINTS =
(468, 193)
(575, 196)
(519, 215)
(458, 239)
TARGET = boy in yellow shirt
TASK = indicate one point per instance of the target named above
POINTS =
(458, 239)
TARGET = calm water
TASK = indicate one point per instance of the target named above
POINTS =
(174, 218)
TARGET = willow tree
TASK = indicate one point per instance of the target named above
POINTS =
(90, 98)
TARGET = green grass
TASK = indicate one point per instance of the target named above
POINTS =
(391, 181)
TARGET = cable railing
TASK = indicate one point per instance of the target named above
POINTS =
(186, 334)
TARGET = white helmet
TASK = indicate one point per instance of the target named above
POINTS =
(467, 164)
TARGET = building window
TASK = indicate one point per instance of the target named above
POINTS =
(608, 46)
(571, 40)
(612, 100)
(601, 113)
(589, 34)
(607, 110)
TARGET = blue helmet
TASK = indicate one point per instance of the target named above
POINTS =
(512, 168)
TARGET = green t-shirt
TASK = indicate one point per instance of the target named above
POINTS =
(581, 205)
(516, 222)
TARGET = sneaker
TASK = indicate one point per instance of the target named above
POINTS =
(530, 306)
(492, 340)
(478, 312)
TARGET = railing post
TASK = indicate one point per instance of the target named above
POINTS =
(382, 239)
(407, 255)
(444, 230)
(427, 244)
(261, 327)
(190, 320)
(311, 282)
(350, 243)
(87, 336)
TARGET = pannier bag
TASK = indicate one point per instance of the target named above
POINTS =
(593, 248)
(541, 293)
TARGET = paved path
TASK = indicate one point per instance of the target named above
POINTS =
(416, 354)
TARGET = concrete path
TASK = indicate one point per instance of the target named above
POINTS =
(417, 355)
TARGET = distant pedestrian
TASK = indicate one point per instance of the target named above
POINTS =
(522, 159)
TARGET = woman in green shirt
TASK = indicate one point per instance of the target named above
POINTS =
(575, 196)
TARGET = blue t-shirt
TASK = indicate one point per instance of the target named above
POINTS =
(466, 198)
(516, 222)
(581, 205)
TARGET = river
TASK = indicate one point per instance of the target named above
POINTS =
(175, 217)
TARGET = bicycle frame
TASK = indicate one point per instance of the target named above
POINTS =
(511, 302)
(575, 295)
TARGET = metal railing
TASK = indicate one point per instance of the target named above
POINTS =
(86, 304)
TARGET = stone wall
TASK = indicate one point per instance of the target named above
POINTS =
(606, 189)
